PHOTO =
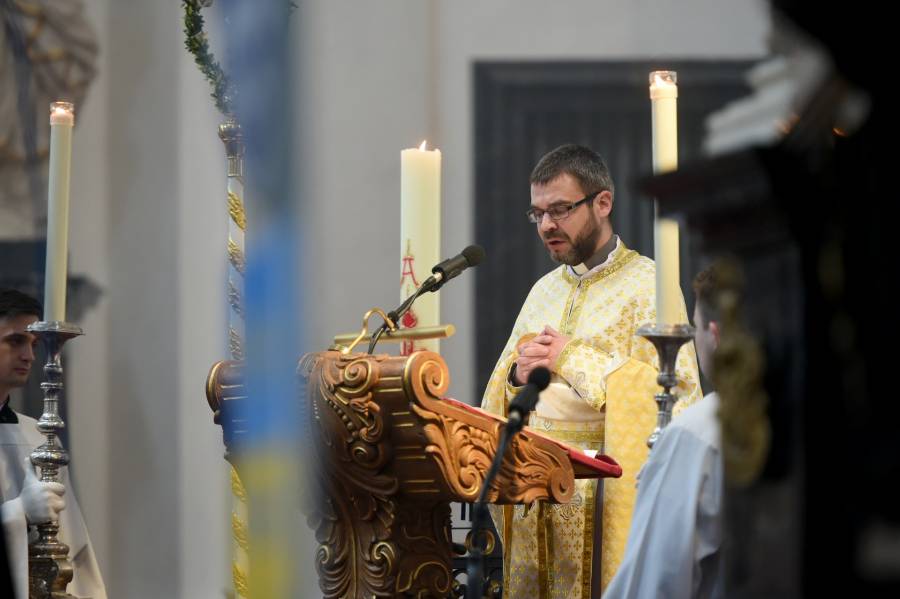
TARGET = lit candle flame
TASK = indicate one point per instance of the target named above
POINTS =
(663, 85)
(422, 147)
(62, 113)
(658, 79)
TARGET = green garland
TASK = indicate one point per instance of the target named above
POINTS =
(197, 44)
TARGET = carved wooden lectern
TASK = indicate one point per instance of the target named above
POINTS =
(391, 455)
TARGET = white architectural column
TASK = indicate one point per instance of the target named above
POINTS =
(149, 183)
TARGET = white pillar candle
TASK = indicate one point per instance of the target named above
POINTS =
(664, 111)
(420, 237)
(62, 120)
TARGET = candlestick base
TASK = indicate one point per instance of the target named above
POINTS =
(667, 339)
(49, 569)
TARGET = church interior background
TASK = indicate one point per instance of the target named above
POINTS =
(494, 85)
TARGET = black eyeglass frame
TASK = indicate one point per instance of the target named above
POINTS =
(535, 216)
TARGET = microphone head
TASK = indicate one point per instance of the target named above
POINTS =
(473, 254)
(539, 377)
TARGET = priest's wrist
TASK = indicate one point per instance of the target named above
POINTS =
(512, 376)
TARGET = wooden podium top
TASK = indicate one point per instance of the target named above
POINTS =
(601, 466)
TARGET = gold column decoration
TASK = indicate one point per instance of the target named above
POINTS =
(236, 256)
(738, 376)
(231, 136)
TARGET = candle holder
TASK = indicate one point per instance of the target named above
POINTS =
(667, 339)
(49, 569)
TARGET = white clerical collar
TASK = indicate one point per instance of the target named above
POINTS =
(581, 270)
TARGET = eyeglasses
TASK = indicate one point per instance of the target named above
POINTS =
(558, 212)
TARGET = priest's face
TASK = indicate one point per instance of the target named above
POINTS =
(16, 352)
(578, 236)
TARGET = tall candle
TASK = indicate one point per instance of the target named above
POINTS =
(664, 115)
(62, 120)
(420, 237)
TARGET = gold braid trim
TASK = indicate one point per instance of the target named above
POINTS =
(237, 487)
(239, 531)
(235, 345)
(236, 256)
(587, 549)
(241, 587)
(236, 211)
(545, 574)
(234, 298)
(619, 262)
(567, 351)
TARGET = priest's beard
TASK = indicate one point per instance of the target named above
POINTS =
(582, 248)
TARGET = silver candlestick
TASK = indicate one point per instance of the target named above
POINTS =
(668, 340)
(49, 569)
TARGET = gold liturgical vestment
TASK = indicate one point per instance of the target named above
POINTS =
(600, 398)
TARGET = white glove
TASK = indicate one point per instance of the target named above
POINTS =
(41, 501)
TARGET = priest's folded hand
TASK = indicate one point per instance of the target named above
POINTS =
(531, 355)
(42, 501)
(555, 342)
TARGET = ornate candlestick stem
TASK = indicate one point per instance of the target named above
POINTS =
(668, 340)
(49, 570)
(232, 136)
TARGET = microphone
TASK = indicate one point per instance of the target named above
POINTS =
(446, 270)
(527, 399)
(443, 272)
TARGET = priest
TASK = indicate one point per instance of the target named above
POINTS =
(579, 321)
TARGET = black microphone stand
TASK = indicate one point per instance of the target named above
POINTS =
(475, 565)
(395, 315)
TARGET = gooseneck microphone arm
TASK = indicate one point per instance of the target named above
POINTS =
(441, 273)
(396, 314)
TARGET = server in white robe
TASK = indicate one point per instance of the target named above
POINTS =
(24, 500)
(675, 538)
